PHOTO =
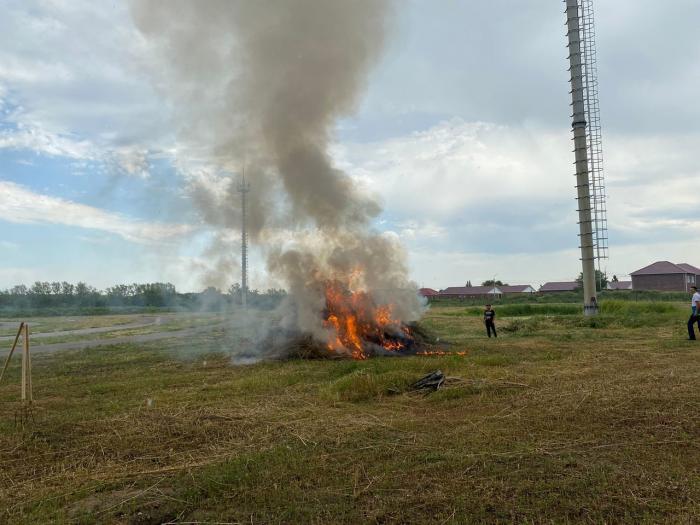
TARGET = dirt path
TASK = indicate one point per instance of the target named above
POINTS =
(140, 338)
(142, 322)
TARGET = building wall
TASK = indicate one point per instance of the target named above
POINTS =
(664, 283)
(462, 297)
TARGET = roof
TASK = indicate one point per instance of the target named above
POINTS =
(689, 268)
(470, 290)
(426, 292)
(514, 288)
(620, 285)
(661, 268)
(559, 286)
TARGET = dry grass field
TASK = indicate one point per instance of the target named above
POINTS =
(560, 419)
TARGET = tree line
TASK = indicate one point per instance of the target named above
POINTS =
(44, 294)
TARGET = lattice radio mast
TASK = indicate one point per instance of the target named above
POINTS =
(590, 184)
(244, 189)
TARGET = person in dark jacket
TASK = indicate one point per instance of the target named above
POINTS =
(490, 320)
(694, 312)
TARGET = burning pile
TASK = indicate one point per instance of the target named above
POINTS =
(350, 320)
(359, 327)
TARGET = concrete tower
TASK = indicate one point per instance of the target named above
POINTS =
(581, 153)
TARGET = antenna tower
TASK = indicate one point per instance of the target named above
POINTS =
(590, 186)
(244, 189)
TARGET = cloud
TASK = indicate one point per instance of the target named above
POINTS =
(457, 165)
(505, 61)
(22, 206)
(129, 160)
(460, 175)
(40, 141)
(466, 196)
(73, 84)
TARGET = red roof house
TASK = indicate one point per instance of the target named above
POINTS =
(559, 286)
(462, 292)
(666, 276)
(690, 268)
(517, 288)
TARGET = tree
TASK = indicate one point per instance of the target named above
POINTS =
(19, 289)
(41, 288)
(491, 282)
(67, 288)
(468, 285)
(614, 279)
(82, 289)
(601, 280)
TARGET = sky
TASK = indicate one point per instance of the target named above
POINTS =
(462, 133)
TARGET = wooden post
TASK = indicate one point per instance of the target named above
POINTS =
(29, 362)
(14, 345)
(25, 352)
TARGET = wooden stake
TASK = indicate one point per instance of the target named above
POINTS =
(14, 345)
(29, 362)
(25, 352)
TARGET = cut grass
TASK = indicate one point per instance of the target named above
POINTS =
(568, 424)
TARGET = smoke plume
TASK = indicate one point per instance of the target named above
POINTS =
(260, 84)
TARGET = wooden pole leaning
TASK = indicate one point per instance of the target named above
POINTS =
(27, 393)
(12, 350)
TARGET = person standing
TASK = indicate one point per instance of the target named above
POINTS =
(695, 313)
(490, 320)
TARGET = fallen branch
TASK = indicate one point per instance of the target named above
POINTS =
(432, 381)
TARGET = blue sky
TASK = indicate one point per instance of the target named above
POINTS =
(462, 133)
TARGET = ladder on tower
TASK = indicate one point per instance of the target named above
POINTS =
(594, 135)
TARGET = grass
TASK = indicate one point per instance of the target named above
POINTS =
(566, 297)
(559, 422)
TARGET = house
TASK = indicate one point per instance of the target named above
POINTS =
(692, 270)
(471, 292)
(559, 286)
(428, 292)
(666, 276)
(619, 285)
(517, 288)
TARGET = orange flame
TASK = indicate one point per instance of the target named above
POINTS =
(355, 322)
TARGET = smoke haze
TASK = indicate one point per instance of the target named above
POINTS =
(261, 84)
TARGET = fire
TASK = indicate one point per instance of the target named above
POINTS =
(356, 324)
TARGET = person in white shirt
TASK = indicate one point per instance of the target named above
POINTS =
(695, 315)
